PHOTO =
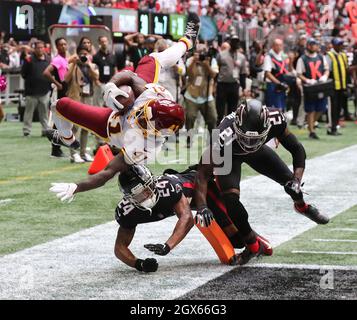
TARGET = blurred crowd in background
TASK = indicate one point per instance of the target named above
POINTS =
(213, 79)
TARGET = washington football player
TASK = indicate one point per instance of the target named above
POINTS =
(138, 130)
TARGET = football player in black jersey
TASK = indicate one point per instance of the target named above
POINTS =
(245, 133)
(148, 199)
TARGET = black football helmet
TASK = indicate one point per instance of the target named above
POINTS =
(139, 187)
(252, 125)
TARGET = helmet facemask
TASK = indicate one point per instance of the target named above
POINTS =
(251, 132)
(139, 187)
(143, 195)
(251, 141)
(151, 124)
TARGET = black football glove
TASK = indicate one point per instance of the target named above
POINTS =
(204, 217)
(160, 249)
(147, 265)
(282, 87)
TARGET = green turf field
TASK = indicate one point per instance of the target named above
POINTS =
(333, 244)
(31, 215)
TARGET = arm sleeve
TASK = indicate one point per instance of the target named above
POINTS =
(296, 149)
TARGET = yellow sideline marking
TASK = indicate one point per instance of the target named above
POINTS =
(41, 174)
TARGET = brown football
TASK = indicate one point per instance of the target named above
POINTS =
(126, 102)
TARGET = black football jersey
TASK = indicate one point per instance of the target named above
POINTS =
(170, 189)
(228, 135)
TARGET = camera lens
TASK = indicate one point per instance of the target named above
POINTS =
(83, 59)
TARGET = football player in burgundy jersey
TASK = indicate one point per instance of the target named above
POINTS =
(244, 133)
(138, 130)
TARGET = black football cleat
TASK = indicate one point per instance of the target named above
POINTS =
(54, 137)
(192, 28)
(313, 214)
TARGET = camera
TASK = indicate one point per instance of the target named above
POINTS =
(202, 56)
(83, 59)
(210, 53)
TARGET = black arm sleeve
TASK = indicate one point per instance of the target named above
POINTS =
(296, 149)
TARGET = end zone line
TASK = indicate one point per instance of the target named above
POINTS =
(300, 266)
(333, 240)
(352, 253)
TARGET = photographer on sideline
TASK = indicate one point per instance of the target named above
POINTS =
(201, 71)
(233, 66)
(81, 76)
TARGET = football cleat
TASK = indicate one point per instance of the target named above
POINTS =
(313, 214)
(267, 248)
(87, 157)
(76, 158)
(192, 28)
(264, 248)
(54, 137)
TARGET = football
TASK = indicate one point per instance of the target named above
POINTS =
(126, 102)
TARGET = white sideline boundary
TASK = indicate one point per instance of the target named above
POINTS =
(343, 253)
(83, 266)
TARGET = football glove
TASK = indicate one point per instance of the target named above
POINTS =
(111, 92)
(204, 217)
(64, 191)
(147, 265)
(160, 249)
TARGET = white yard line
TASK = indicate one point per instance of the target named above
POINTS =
(344, 229)
(5, 201)
(82, 265)
(335, 240)
(325, 252)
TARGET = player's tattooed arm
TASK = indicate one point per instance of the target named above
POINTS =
(183, 225)
(117, 165)
(122, 243)
(131, 79)
(297, 150)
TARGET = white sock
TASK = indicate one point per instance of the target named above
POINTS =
(64, 127)
(170, 56)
